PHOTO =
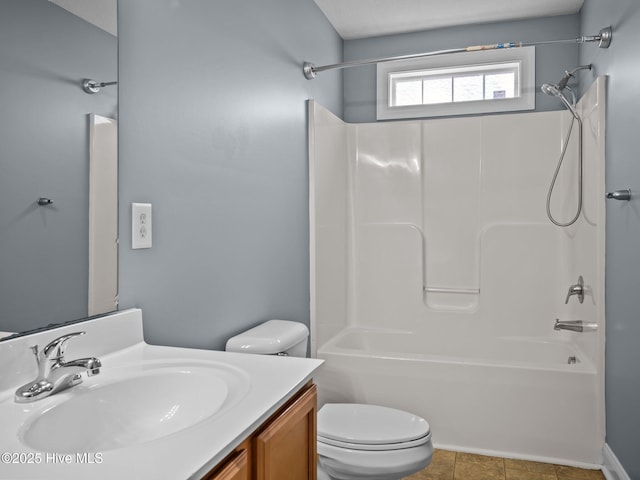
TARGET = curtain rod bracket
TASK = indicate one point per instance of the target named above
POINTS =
(605, 36)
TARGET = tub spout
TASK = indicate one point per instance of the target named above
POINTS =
(575, 325)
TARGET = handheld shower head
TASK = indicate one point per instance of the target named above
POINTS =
(556, 91)
(549, 89)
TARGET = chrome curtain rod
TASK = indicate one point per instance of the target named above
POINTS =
(603, 38)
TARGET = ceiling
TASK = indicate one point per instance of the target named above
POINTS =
(370, 18)
(101, 13)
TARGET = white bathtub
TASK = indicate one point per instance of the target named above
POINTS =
(510, 397)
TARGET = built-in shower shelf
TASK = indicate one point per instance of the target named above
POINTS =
(466, 291)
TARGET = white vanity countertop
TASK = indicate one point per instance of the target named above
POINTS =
(186, 454)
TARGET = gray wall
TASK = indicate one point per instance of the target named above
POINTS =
(620, 63)
(45, 52)
(213, 132)
(551, 61)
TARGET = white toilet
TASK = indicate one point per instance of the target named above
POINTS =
(355, 441)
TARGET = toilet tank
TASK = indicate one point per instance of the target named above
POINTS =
(272, 338)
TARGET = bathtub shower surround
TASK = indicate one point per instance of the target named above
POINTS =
(437, 278)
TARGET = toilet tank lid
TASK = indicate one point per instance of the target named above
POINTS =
(269, 338)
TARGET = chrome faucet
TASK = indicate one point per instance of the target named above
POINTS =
(575, 325)
(577, 289)
(54, 374)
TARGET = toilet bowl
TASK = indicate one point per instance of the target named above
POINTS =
(355, 441)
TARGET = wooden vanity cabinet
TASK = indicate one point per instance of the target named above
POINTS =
(282, 448)
(285, 447)
(235, 467)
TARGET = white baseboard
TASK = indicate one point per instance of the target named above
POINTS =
(612, 468)
(532, 458)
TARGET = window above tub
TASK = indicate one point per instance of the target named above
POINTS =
(457, 84)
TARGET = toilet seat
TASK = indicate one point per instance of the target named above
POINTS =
(370, 427)
(377, 447)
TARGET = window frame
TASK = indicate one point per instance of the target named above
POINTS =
(525, 56)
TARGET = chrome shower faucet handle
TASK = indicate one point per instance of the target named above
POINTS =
(577, 289)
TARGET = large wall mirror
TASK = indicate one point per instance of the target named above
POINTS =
(58, 161)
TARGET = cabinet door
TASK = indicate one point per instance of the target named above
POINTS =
(235, 468)
(286, 447)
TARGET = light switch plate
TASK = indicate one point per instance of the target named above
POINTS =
(140, 225)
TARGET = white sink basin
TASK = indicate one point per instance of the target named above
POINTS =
(156, 412)
(124, 409)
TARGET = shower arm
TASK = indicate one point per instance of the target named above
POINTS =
(568, 75)
(603, 38)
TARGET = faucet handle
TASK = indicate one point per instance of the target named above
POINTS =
(56, 348)
(577, 289)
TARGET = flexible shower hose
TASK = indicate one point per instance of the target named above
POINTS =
(555, 175)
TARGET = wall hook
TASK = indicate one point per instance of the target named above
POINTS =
(620, 194)
(92, 86)
(43, 201)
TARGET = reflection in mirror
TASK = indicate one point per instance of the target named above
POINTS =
(58, 162)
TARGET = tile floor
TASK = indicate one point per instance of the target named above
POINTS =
(447, 465)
